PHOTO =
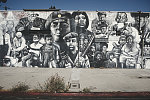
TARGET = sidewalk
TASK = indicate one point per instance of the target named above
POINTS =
(97, 80)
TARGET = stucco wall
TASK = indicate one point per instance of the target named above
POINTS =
(68, 39)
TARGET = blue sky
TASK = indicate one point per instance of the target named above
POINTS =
(90, 5)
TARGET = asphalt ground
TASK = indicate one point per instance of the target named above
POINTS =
(72, 98)
(75, 96)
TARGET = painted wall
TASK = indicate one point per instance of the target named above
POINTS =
(68, 39)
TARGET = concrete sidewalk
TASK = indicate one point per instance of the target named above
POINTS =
(97, 80)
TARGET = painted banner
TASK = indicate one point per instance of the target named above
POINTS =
(80, 39)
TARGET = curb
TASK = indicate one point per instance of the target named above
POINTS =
(97, 94)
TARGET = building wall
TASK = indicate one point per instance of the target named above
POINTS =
(68, 39)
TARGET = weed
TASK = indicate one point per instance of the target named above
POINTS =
(1, 87)
(54, 84)
(86, 90)
(20, 87)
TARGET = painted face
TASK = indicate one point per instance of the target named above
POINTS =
(142, 21)
(122, 40)
(32, 16)
(72, 44)
(80, 20)
(48, 40)
(59, 28)
(122, 18)
(128, 25)
(35, 38)
(103, 30)
(81, 41)
(104, 48)
(102, 17)
(18, 34)
(99, 57)
(129, 40)
(92, 48)
(10, 25)
(85, 41)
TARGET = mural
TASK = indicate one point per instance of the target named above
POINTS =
(68, 39)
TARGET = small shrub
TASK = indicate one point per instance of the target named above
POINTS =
(1, 87)
(20, 87)
(54, 84)
(86, 90)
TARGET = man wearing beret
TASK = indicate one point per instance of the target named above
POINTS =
(74, 57)
(58, 23)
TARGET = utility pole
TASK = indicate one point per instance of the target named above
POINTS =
(5, 7)
(52, 7)
(4, 1)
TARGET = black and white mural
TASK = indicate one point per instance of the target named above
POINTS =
(68, 39)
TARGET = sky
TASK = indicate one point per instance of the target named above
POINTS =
(88, 5)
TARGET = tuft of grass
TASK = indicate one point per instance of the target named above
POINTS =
(20, 87)
(54, 84)
(86, 90)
